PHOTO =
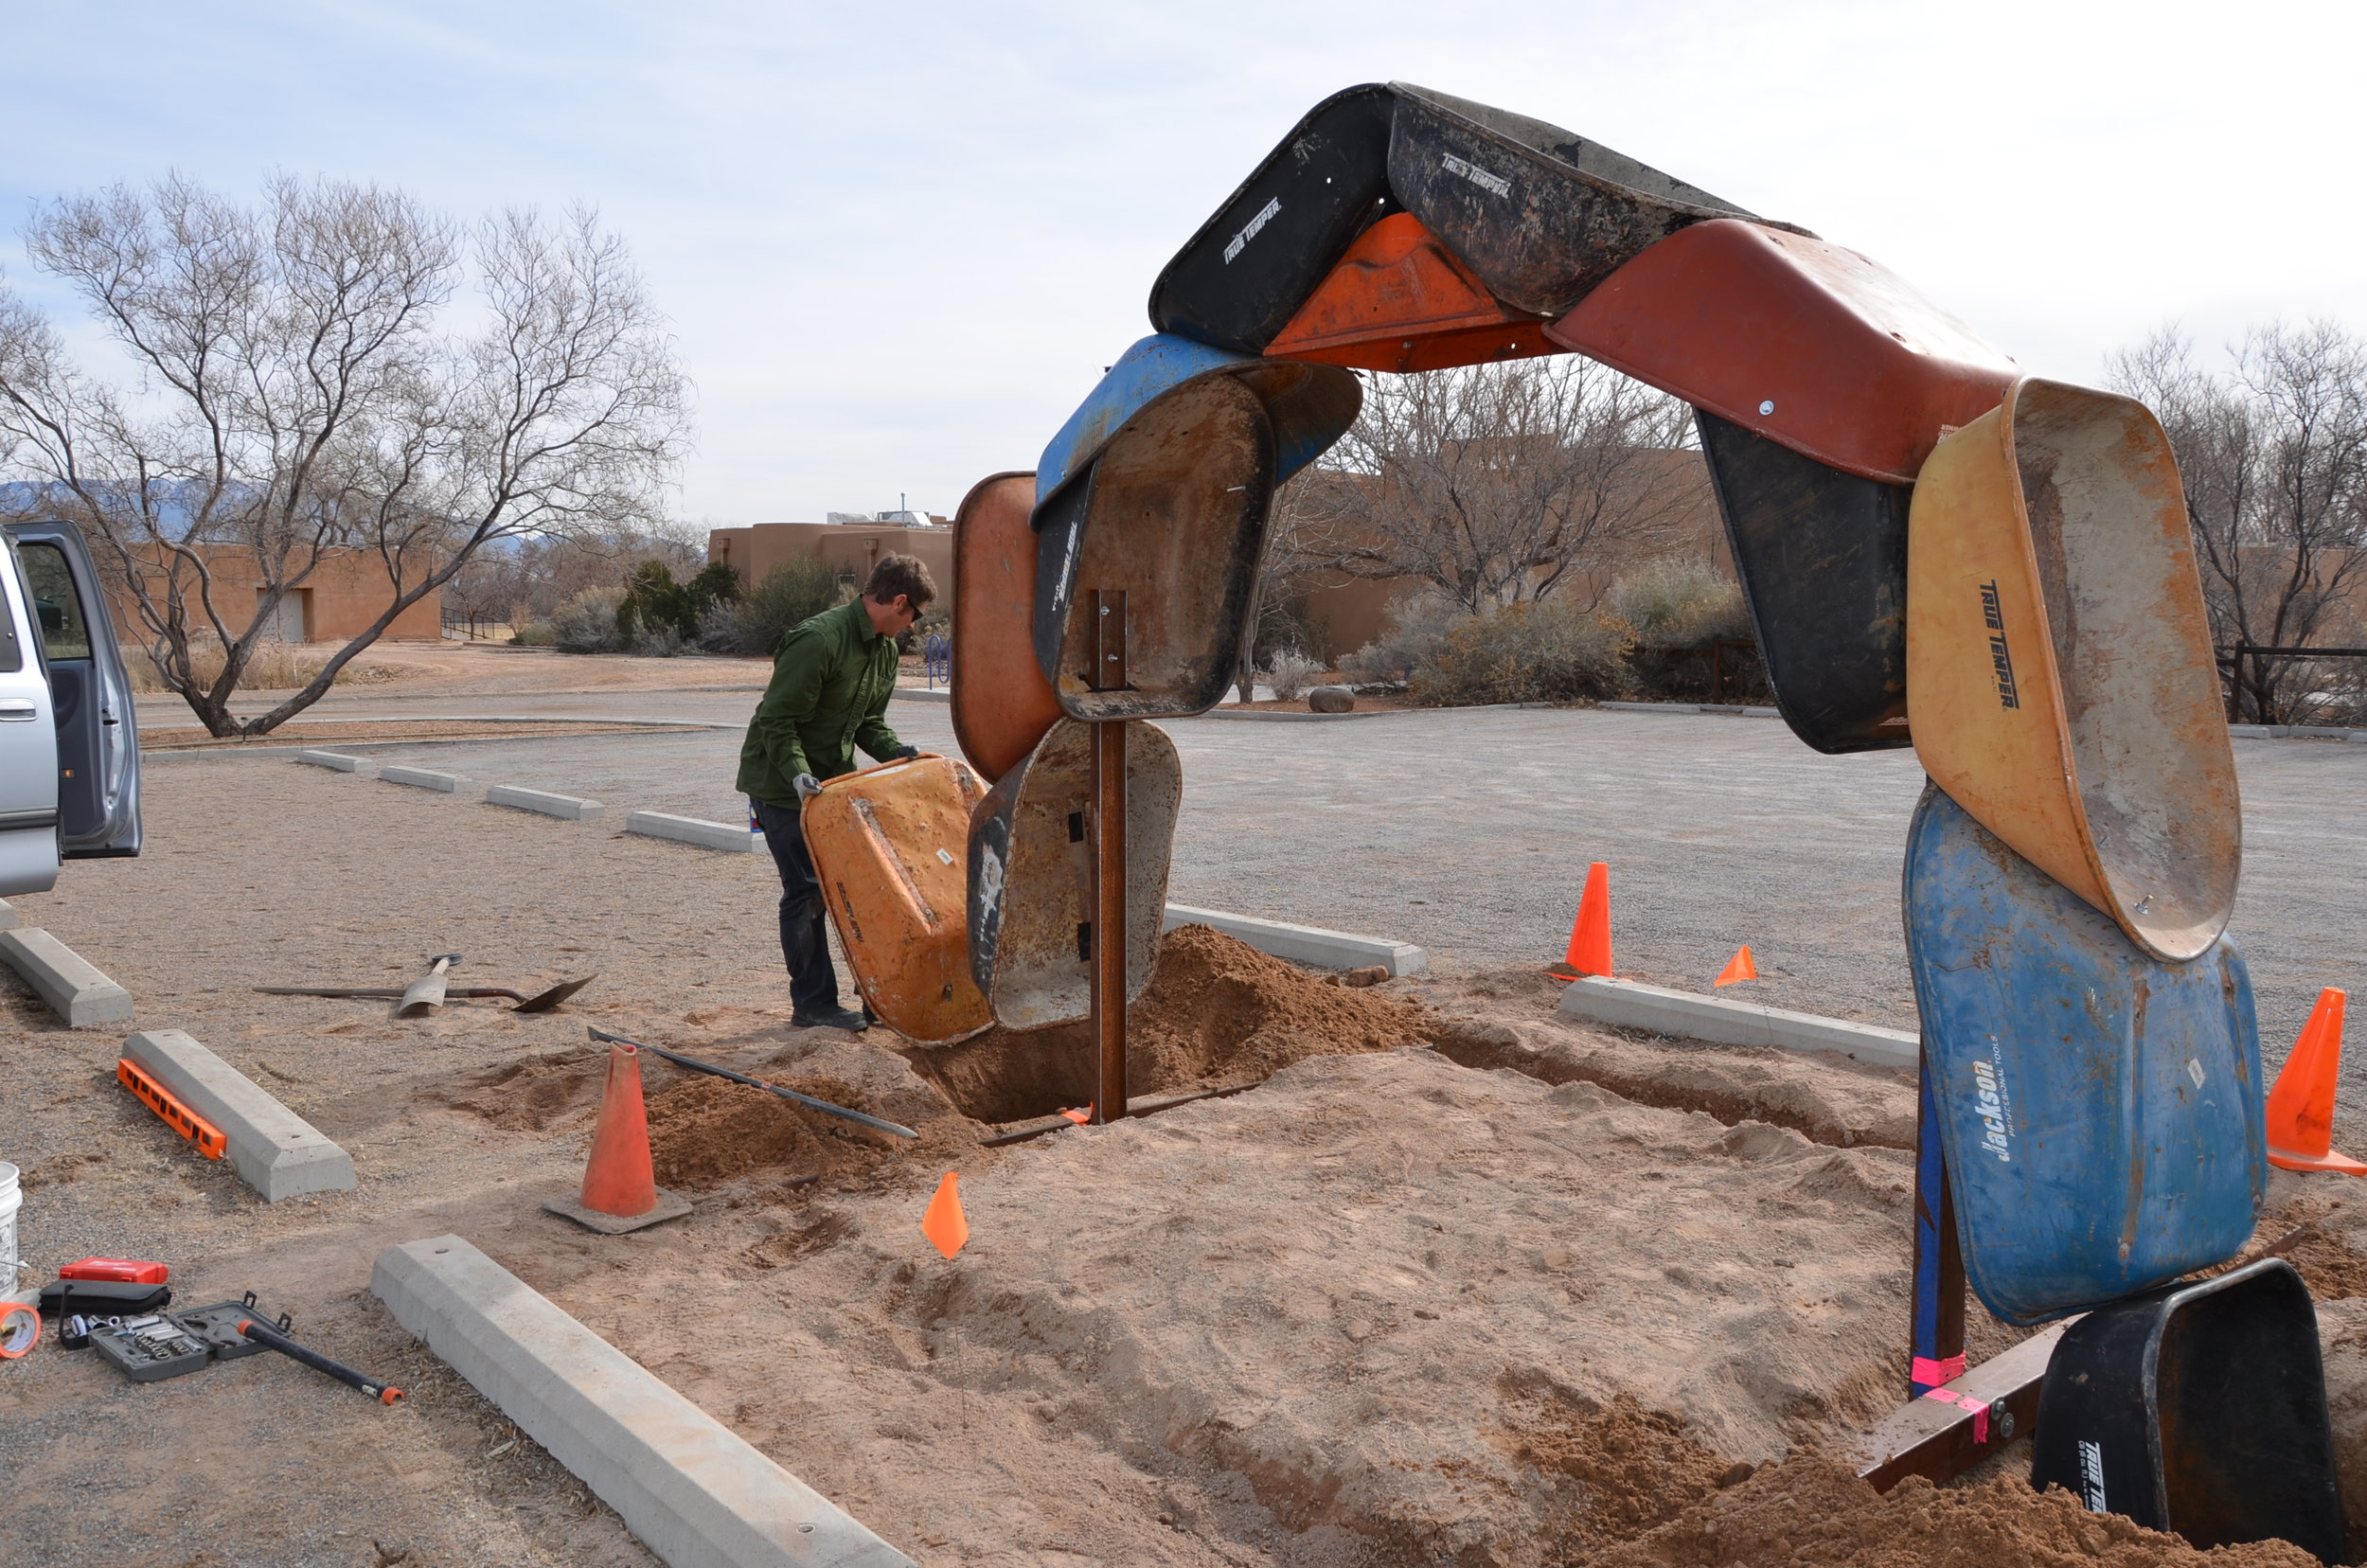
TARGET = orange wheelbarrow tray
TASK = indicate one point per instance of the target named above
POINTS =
(888, 843)
(2060, 675)
(1005, 706)
(1398, 300)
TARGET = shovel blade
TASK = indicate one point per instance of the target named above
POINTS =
(553, 996)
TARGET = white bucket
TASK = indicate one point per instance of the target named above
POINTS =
(10, 1200)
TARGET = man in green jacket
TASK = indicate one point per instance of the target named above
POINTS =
(832, 681)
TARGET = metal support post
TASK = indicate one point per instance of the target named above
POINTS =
(1108, 879)
(1937, 1326)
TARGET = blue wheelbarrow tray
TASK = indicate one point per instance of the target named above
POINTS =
(2100, 1110)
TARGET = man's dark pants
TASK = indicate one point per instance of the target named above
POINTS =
(804, 946)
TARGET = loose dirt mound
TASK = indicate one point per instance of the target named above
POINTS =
(710, 1130)
(529, 1095)
(1218, 1012)
(1625, 1468)
(1808, 1512)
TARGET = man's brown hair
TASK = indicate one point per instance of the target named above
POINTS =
(900, 574)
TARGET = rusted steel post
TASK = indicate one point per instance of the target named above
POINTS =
(1109, 938)
(1937, 1320)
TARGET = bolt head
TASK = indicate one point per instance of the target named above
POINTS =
(1767, 407)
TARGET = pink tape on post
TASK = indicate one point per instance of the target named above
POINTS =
(1926, 1370)
(1980, 1409)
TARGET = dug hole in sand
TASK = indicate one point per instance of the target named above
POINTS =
(1432, 1293)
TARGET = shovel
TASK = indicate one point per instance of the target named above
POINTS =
(428, 990)
(542, 1002)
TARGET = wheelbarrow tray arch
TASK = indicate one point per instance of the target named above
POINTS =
(1253, 262)
(890, 847)
(1540, 215)
(1031, 901)
(2100, 1110)
(2060, 675)
(1004, 705)
(1822, 556)
(1801, 340)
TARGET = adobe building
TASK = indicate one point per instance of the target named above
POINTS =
(346, 591)
(755, 551)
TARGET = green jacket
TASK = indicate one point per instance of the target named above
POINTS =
(830, 692)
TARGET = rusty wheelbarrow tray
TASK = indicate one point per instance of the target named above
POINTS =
(1007, 704)
(1398, 300)
(1031, 868)
(1259, 257)
(1823, 560)
(1541, 216)
(1160, 486)
(2060, 675)
(890, 847)
(1798, 339)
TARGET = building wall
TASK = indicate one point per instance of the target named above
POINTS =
(345, 594)
(755, 552)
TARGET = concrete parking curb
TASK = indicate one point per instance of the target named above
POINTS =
(545, 802)
(333, 761)
(426, 779)
(1721, 1021)
(1718, 710)
(682, 830)
(690, 1488)
(1306, 944)
(7, 916)
(276, 1151)
(72, 985)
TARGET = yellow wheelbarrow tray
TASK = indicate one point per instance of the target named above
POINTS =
(2060, 678)
(890, 845)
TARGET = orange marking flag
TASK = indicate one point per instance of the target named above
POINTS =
(1738, 967)
(943, 1223)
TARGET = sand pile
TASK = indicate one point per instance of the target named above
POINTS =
(1218, 1012)
(1811, 1513)
(532, 1094)
(705, 1131)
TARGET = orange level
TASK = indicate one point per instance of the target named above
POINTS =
(178, 1116)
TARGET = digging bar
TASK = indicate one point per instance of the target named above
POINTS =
(428, 990)
(679, 1060)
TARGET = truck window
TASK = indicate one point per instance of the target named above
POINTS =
(57, 609)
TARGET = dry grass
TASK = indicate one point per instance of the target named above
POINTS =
(273, 667)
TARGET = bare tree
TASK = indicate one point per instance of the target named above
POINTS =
(2273, 455)
(1496, 483)
(297, 400)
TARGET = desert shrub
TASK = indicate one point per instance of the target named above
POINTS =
(798, 590)
(658, 615)
(1418, 626)
(272, 666)
(536, 634)
(587, 623)
(1535, 652)
(1681, 604)
(1290, 672)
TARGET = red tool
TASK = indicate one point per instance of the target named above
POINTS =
(129, 1270)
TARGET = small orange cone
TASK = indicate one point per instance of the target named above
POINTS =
(620, 1190)
(1590, 939)
(943, 1223)
(2301, 1107)
(1738, 967)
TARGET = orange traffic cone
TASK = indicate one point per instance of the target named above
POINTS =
(1738, 967)
(943, 1223)
(2301, 1107)
(620, 1190)
(1590, 937)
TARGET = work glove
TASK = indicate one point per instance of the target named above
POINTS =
(805, 785)
(907, 755)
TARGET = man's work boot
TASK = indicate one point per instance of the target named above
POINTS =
(830, 1018)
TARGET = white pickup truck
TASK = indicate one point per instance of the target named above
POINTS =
(69, 739)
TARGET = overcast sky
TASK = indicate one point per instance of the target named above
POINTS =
(899, 242)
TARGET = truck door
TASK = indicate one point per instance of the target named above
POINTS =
(28, 746)
(99, 757)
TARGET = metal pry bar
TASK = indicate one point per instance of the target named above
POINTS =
(861, 1118)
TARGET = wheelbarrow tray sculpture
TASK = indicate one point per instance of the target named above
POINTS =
(1800, 340)
(2060, 676)
(2100, 1110)
(1005, 706)
(1398, 300)
(1254, 262)
(1031, 904)
(1822, 559)
(1540, 215)
(2200, 1408)
(1172, 510)
(890, 846)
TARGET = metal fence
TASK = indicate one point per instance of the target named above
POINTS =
(2234, 661)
